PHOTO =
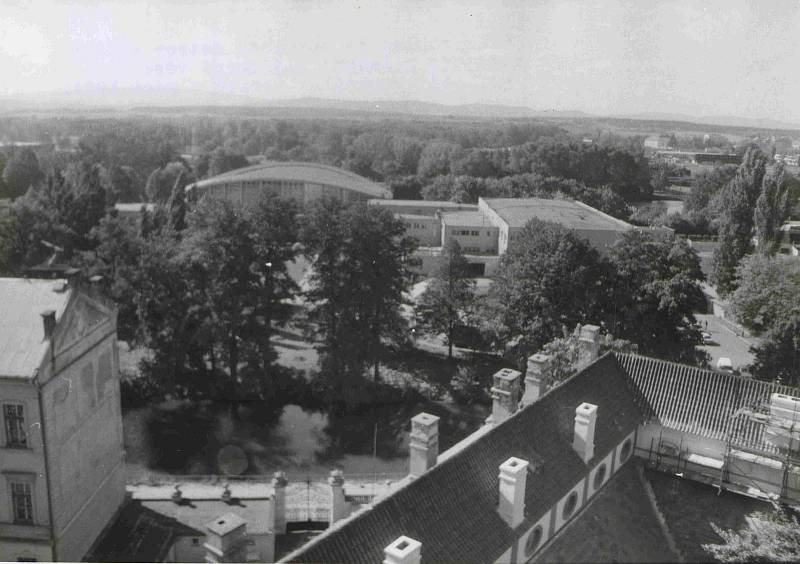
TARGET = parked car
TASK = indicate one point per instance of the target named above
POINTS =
(724, 363)
(706, 337)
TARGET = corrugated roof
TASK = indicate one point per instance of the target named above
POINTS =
(22, 342)
(452, 508)
(701, 402)
(314, 173)
(574, 215)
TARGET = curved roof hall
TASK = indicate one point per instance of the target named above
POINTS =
(313, 173)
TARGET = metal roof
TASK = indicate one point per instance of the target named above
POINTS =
(314, 173)
(517, 212)
(22, 342)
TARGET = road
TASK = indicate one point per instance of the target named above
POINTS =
(725, 342)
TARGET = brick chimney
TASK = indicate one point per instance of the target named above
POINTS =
(226, 539)
(424, 444)
(537, 377)
(279, 482)
(338, 507)
(513, 473)
(583, 440)
(589, 341)
(505, 395)
(404, 550)
(48, 323)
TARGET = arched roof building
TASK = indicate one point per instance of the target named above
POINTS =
(303, 182)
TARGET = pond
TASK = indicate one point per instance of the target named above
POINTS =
(183, 438)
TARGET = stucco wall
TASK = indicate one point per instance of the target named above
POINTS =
(84, 427)
(12, 551)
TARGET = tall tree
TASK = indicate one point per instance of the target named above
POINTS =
(21, 172)
(548, 278)
(177, 205)
(361, 268)
(738, 201)
(772, 209)
(767, 288)
(161, 181)
(445, 303)
(656, 289)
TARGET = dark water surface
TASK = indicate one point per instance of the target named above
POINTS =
(183, 438)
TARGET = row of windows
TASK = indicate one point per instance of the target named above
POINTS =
(16, 437)
(470, 233)
(535, 538)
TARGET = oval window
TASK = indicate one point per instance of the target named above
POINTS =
(534, 540)
(625, 451)
(569, 507)
(599, 476)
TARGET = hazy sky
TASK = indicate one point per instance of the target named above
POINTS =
(696, 57)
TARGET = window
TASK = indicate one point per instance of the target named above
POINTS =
(599, 476)
(474, 233)
(534, 540)
(22, 502)
(625, 451)
(569, 507)
(14, 416)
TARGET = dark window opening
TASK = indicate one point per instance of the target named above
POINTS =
(600, 476)
(625, 451)
(14, 416)
(534, 540)
(569, 507)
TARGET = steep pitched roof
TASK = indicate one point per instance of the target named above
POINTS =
(702, 402)
(22, 342)
(452, 508)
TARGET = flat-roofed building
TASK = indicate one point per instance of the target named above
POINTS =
(510, 215)
(61, 451)
(472, 229)
(421, 207)
(302, 182)
(426, 229)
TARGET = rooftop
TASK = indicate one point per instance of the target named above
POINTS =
(436, 204)
(451, 508)
(313, 173)
(134, 207)
(517, 212)
(22, 342)
(454, 504)
(466, 219)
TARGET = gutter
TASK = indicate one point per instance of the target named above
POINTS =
(46, 462)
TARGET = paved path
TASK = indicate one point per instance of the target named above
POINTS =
(725, 342)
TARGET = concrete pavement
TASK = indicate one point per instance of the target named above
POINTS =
(725, 342)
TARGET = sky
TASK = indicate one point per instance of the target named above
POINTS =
(728, 57)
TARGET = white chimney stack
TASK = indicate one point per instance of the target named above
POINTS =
(424, 444)
(537, 377)
(279, 482)
(338, 509)
(583, 440)
(226, 539)
(589, 340)
(505, 395)
(404, 550)
(513, 473)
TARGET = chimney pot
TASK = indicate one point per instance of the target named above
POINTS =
(424, 443)
(513, 475)
(537, 377)
(338, 507)
(589, 340)
(48, 322)
(583, 439)
(279, 482)
(226, 539)
(404, 550)
(505, 395)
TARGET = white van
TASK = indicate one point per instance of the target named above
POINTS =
(724, 363)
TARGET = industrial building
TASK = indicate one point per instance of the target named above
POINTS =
(301, 182)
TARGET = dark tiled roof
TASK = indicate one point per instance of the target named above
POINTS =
(452, 508)
(699, 401)
(137, 534)
(620, 524)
